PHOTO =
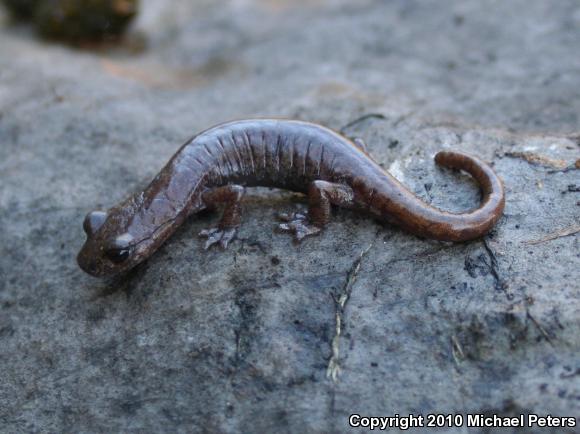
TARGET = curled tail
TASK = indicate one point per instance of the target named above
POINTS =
(422, 219)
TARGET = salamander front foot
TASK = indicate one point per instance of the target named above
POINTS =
(218, 236)
(298, 225)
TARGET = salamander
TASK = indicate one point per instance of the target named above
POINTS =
(215, 167)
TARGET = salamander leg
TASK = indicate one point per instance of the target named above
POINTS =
(321, 195)
(230, 195)
(360, 143)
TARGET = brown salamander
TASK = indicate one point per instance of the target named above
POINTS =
(215, 166)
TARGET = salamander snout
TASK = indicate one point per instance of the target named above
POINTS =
(105, 258)
(105, 252)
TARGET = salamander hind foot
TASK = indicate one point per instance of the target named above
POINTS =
(218, 236)
(298, 225)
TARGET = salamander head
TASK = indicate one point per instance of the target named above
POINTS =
(110, 248)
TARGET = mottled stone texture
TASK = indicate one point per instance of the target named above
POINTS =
(242, 340)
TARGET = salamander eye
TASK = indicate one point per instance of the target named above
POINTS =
(120, 249)
(117, 255)
(93, 221)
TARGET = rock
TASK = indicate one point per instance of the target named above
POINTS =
(246, 340)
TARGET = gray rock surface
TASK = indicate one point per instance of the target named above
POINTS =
(246, 340)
